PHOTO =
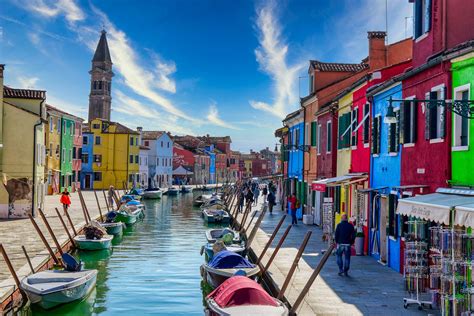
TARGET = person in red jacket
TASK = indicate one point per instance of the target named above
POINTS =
(65, 200)
(293, 207)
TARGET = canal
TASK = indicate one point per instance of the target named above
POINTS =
(152, 269)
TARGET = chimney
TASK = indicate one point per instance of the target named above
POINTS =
(139, 129)
(377, 50)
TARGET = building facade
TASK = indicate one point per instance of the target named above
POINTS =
(160, 160)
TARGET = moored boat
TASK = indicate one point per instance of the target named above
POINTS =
(126, 218)
(55, 287)
(186, 189)
(237, 248)
(240, 295)
(224, 265)
(114, 228)
(152, 193)
(172, 191)
(212, 235)
(215, 216)
(84, 243)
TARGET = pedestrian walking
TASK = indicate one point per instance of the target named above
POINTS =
(344, 238)
(271, 201)
(249, 197)
(264, 193)
(65, 200)
(294, 205)
(256, 193)
(241, 200)
(110, 197)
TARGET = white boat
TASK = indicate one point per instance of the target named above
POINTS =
(215, 216)
(54, 287)
(172, 191)
(153, 193)
(186, 189)
(212, 235)
(237, 248)
(241, 296)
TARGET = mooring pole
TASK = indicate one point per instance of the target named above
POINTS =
(98, 205)
(313, 277)
(294, 265)
(28, 259)
(248, 209)
(12, 271)
(277, 228)
(106, 202)
(86, 211)
(50, 230)
(43, 239)
(251, 220)
(82, 207)
(65, 226)
(277, 249)
(255, 228)
(71, 223)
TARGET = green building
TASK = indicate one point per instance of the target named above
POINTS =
(67, 147)
(462, 127)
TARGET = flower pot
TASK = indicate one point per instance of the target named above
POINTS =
(359, 246)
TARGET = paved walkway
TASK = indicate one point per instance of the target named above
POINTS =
(371, 289)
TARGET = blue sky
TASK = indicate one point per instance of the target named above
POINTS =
(218, 67)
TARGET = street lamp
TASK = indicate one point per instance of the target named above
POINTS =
(390, 117)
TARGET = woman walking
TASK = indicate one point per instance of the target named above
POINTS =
(294, 205)
(271, 201)
(65, 200)
(256, 193)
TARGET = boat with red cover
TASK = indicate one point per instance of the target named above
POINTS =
(240, 295)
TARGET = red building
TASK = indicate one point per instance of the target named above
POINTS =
(261, 167)
(182, 157)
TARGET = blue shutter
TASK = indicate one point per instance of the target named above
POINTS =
(427, 15)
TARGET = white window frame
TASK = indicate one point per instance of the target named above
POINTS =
(415, 106)
(318, 139)
(356, 109)
(439, 89)
(456, 91)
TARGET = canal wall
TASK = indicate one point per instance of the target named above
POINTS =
(15, 233)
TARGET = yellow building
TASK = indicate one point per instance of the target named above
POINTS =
(115, 154)
(22, 150)
(53, 149)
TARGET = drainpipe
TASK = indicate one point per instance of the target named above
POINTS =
(40, 122)
(304, 154)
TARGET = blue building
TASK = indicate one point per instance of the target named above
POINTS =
(87, 173)
(385, 171)
(294, 183)
(212, 163)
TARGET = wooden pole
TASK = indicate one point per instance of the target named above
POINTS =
(277, 249)
(106, 202)
(86, 211)
(255, 227)
(248, 209)
(43, 239)
(82, 207)
(98, 205)
(12, 271)
(277, 228)
(251, 220)
(50, 230)
(65, 227)
(117, 199)
(71, 223)
(294, 265)
(28, 259)
(313, 277)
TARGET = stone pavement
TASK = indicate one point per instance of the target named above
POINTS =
(15, 233)
(370, 289)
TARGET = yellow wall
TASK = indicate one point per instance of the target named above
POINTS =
(52, 159)
(344, 155)
(115, 150)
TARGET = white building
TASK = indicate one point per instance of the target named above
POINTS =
(143, 166)
(160, 157)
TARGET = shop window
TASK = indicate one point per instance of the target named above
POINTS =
(408, 122)
(366, 131)
(461, 123)
(422, 17)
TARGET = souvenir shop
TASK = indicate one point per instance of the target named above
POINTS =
(439, 250)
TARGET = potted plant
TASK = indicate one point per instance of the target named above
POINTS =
(359, 243)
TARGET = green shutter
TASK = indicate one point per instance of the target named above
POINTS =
(340, 123)
(397, 131)
(313, 134)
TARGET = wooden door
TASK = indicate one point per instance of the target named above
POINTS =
(383, 228)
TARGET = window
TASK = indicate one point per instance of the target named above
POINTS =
(329, 137)
(131, 141)
(74, 153)
(366, 119)
(435, 114)
(136, 141)
(392, 218)
(408, 122)
(95, 85)
(131, 159)
(158, 162)
(318, 139)
(130, 178)
(70, 155)
(96, 126)
(393, 134)
(64, 127)
(85, 158)
(71, 126)
(354, 121)
(100, 85)
(344, 131)
(109, 85)
(97, 176)
(57, 150)
(85, 140)
(422, 17)
(64, 155)
(97, 140)
(51, 149)
(136, 159)
(58, 125)
(297, 136)
(147, 143)
(313, 133)
(98, 158)
(162, 144)
(311, 84)
(376, 128)
(461, 124)
(51, 125)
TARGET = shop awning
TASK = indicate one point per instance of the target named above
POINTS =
(433, 207)
(464, 215)
(321, 185)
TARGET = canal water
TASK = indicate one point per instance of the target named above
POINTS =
(152, 269)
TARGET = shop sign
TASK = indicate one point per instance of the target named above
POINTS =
(318, 187)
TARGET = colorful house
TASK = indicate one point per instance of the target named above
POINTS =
(53, 151)
(22, 167)
(183, 160)
(115, 154)
(87, 171)
(160, 158)
(77, 153)
(209, 150)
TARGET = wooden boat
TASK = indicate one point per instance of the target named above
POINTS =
(237, 248)
(206, 188)
(93, 244)
(114, 228)
(201, 199)
(136, 193)
(240, 295)
(54, 287)
(215, 216)
(172, 191)
(212, 235)
(186, 189)
(126, 218)
(224, 265)
(213, 205)
(152, 193)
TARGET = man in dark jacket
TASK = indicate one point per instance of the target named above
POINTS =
(345, 237)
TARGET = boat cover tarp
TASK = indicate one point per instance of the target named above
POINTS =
(240, 290)
(229, 260)
(134, 202)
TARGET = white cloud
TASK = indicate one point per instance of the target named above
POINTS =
(27, 82)
(74, 109)
(68, 8)
(272, 58)
(213, 117)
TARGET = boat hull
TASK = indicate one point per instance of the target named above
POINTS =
(255, 310)
(127, 219)
(93, 244)
(172, 192)
(152, 195)
(241, 250)
(113, 228)
(210, 218)
(215, 277)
